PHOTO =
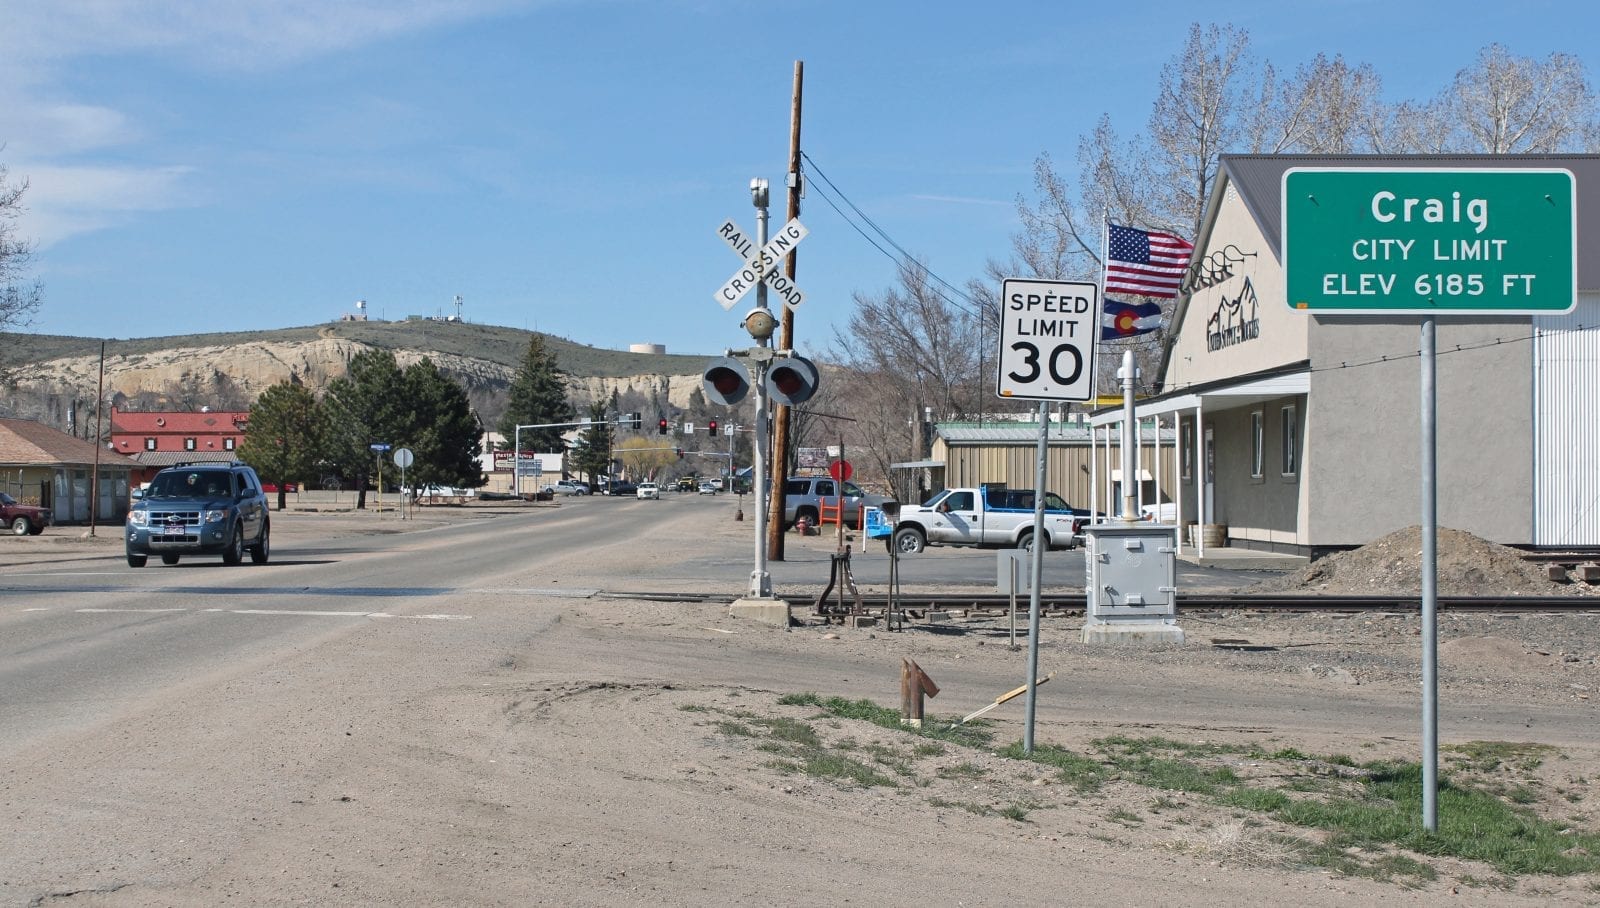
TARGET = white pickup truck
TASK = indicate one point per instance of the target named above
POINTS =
(991, 516)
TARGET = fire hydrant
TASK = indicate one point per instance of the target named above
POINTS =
(803, 525)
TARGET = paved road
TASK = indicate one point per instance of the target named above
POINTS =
(366, 707)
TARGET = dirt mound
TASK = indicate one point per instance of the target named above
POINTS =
(1392, 565)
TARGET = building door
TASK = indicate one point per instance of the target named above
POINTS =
(1209, 514)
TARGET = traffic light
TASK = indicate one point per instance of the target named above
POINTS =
(661, 426)
(636, 420)
(725, 381)
(712, 427)
(791, 380)
(680, 453)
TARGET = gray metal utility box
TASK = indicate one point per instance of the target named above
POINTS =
(1132, 570)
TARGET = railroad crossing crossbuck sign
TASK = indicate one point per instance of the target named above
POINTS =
(1047, 335)
(761, 264)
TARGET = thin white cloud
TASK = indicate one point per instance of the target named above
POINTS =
(245, 34)
(55, 140)
(64, 201)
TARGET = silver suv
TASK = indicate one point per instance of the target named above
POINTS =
(200, 509)
(804, 496)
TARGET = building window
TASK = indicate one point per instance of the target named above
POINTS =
(227, 444)
(149, 444)
(188, 444)
(1291, 448)
(1257, 440)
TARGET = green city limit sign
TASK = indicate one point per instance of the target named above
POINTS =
(1373, 242)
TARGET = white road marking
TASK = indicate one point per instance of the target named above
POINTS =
(262, 611)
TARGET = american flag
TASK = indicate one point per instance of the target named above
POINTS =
(1145, 263)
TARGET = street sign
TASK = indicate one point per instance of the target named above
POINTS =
(1378, 242)
(380, 447)
(761, 264)
(403, 458)
(1047, 339)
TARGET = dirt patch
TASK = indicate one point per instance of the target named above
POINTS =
(1493, 653)
(1467, 566)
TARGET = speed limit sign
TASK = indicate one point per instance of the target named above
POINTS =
(1047, 339)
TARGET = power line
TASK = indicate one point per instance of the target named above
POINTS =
(965, 301)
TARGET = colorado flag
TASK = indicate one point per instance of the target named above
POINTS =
(1120, 320)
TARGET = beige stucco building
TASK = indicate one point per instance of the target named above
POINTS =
(1300, 432)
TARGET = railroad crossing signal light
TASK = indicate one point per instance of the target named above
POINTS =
(636, 420)
(725, 381)
(661, 427)
(791, 380)
(680, 453)
(712, 427)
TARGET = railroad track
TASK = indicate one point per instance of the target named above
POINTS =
(1074, 603)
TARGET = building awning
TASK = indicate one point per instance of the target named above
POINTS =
(917, 465)
(1222, 395)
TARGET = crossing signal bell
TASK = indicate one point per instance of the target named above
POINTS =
(725, 381)
(661, 427)
(791, 380)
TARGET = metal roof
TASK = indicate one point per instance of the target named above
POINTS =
(170, 458)
(1259, 181)
(961, 435)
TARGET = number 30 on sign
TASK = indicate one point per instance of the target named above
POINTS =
(1047, 339)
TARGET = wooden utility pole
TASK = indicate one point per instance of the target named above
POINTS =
(780, 432)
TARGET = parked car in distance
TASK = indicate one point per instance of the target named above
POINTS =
(706, 488)
(649, 490)
(450, 492)
(568, 487)
(804, 496)
(271, 488)
(200, 509)
(23, 519)
(617, 487)
(1166, 512)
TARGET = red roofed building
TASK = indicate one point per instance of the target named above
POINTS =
(161, 439)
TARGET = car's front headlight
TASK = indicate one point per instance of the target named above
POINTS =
(216, 516)
(138, 518)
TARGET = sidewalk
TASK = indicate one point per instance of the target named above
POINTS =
(1242, 559)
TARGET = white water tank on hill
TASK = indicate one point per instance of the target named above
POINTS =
(647, 348)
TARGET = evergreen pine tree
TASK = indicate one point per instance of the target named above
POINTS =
(538, 396)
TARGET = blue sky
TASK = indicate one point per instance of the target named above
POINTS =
(562, 165)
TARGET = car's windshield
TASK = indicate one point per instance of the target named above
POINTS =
(6, 499)
(189, 484)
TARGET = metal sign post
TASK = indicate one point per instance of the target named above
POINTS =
(403, 458)
(1369, 241)
(1047, 334)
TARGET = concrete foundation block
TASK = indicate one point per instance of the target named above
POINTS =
(1589, 572)
(769, 611)
(1556, 572)
(861, 621)
(1146, 632)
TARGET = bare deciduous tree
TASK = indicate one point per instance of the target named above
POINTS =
(19, 299)
(1516, 105)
